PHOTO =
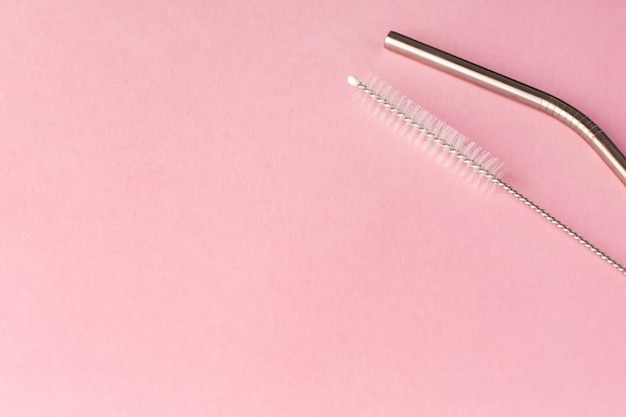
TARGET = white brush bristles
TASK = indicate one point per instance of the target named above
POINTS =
(431, 134)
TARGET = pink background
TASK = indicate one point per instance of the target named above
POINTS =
(198, 219)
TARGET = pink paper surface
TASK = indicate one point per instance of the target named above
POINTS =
(197, 217)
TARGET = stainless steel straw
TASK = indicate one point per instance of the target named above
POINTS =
(515, 90)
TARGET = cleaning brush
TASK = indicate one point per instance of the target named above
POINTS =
(455, 149)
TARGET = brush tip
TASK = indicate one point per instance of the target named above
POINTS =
(352, 80)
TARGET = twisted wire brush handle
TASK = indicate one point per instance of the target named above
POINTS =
(515, 90)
